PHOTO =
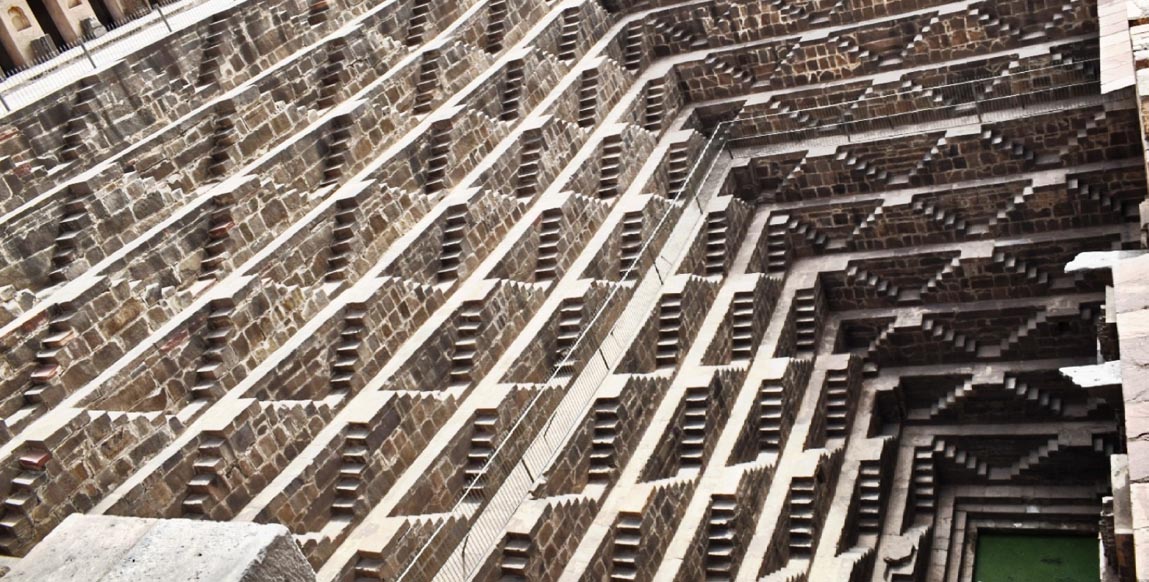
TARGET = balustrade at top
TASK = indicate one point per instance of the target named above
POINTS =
(50, 73)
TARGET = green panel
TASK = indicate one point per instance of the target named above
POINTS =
(1036, 558)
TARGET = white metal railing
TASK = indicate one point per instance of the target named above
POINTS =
(71, 63)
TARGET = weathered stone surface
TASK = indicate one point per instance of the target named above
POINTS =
(123, 549)
(585, 290)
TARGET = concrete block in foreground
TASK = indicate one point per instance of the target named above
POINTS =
(101, 548)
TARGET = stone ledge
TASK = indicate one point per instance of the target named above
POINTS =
(85, 548)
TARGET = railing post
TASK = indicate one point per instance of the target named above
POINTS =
(164, 17)
(84, 47)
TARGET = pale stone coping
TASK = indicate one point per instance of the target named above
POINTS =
(1091, 260)
(1095, 376)
(85, 548)
(1116, 47)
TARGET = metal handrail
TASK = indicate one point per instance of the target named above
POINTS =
(720, 139)
(703, 165)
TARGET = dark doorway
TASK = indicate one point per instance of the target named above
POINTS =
(103, 15)
(41, 13)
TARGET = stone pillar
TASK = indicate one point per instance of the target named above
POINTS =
(1131, 289)
(1117, 525)
(18, 31)
(69, 17)
(1137, 28)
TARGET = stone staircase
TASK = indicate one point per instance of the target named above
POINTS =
(633, 43)
(516, 560)
(547, 255)
(720, 538)
(918, 42)
(996, 140)
(354, 458)
(777, 245)
(467, 329)
(496, 26)
(482, 446)
(1012, 207)
(948, 271)
(802, 517)
(427, 82)
(798, 117)
(512, 91)
(869, 497)
(346, 356)
(603, 463)
(677, 170)
(790, 9)
(792, 176)
(952, 398)
(669, 331)
(569, 32)
(332, 78)
(1010, 263)
(76, 127)
(438, 157)
(856, 275)
(838, 405)
(945, 218)
(937, 330)
(418, 21)
(530, 156)
(959, 458)
(630, 245)
(336, 159)
(1034, 458)
(674, 33)
(772, 403)
(941, 149)
(692, 446)
(862, 168)
(866, 226)
(1015, 337)
(655, 105)
(223, 139)
(567, 335)
(451, 248)
(610, 167)
(922, 476)
(737, 75)
(42, 388)
(207, 480)
(1033, 395)
(209, 67)
(211, 364)
(588, 98)
(1097, 194)
(70, 230)
(716, 232)
(627, 548)
(220, 222)
(806, 324)
(341, 253)
(16, 524)
(742, 318)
